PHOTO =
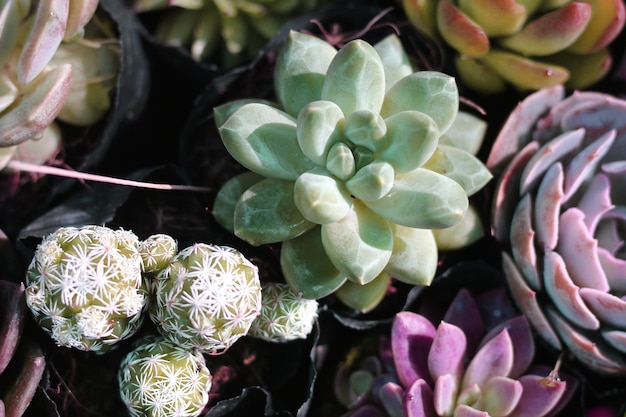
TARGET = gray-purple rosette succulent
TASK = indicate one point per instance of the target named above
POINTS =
(560, 211)
(470, 364)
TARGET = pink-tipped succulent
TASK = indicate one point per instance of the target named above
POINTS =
(559, 209)
(529, 44)
(468, 364)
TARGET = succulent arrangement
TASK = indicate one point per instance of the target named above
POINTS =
(348, 170)
(527, 44)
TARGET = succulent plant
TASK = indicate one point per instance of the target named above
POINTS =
(85, 288)
(284, 314)
(529, 44)
(236, 29)
(348, 170)
(206, 298)
(468, 364)
(161, 379)
(55, 65)
(157, 251)
(559, 212)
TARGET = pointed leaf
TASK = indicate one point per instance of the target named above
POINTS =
(548, 207)
(523, 343)
(523, 242)
(460, 166)
(364, 297)
(500, 395)
(609, 308)
(396, 62)
(318, 129)
(463, 312)
(465, 233)
(414, 255)
(539, 396)
(411, 338)
(596, 201)
(494, 358)
(460, 31)
(447, 354)
(445, 393)
(418, 400)
(423, 199)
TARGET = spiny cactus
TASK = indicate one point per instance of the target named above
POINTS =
(235, 29)
(157, 251)
(284, 314)
(85, 288)
(160, 379)
(206, 298)
(349, 171)
(529, 44)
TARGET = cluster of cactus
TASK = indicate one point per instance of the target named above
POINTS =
(558, 210)
(58, 62)
(234, 29)
(529, 44)
(351, 169)
(471, 362)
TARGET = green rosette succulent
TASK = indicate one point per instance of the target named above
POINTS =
(206, 298)
(351, 170)
(85, 288)
(160, 379)
(529, 44)
(285, 315)
(234, 29)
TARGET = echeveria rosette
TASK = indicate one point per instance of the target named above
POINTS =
(206, 298)
(349, 171)
(161, 379)
(468, 364)
(84, 286)
(529, 44)
(559, 209)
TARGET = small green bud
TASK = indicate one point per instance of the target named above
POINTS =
(157, 251)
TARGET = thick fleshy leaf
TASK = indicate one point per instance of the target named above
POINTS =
(11, 325)
(445, 393)
(266, 213)
(467, 132)
(321, 198)
(539, 396)
(412, 138)
(391, 396)
(359, 245)
(467, 411)
(372, 181)
(418, 400)
(579, 251)
(414, 255)
(411, 338)
(460, 31)
(396, 62)
(364, 297)
(609, 308)
(9, 29)
(585, 70)
(478, 76)
(422, 15)
(494, 358)
(466, 232)
(496, 17)
(585, 162)
(263, 139)
(222, 112)
(499, 396)
(595, 201)
(523, 242)
(229, 194)
(300, 70)
(548, 207)
(614, 268)
(306, 267)
(340, 161)
(423, 199)
(616, 338)
(463, 312)
(607, 21)
(523, 343)
(460, 166)
(447, 353)
(355, 79)
(365, 129)
(318, 129)
(429, 92)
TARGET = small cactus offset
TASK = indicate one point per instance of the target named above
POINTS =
(206, 298)
(160, 379)
(85, 288)
(285, 315)
(157, 251)
(529, 44)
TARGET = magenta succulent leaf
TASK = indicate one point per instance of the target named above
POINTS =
(411, 338)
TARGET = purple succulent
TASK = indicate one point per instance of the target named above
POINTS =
(475, 362)
(560, 209)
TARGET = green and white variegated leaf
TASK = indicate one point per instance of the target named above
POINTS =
(300, 70)
(222, 112)
(306, 267)
(412, 138)
(364, 298)
(263, 139)
(422, 199)
(467, 132)
(355, 79)
(396, 62)
(320, 198)
(266, 213)
(319, 128)
(464, 233)
(372, 181)
(359, 245)
(461, 167)
(229, 194)
(430, 92)
(414, 257)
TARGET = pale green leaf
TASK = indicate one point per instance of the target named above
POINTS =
(430, 92)
(263, 139)
(319, 127)
(423, 199)
(469, 230)
(355, 79)
(229, 194)
(306, 267)
(340, 161)
(320, 198)
(414, 258)
(365, 129)
(364, 298)
(359, 245)
(461, 167)
(467, 132)
(222, 112)
(395, 61)
(372, 181)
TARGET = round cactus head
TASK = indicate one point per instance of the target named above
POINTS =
(157, 251)
(159, 379)
(206, 298)
(84, 286)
